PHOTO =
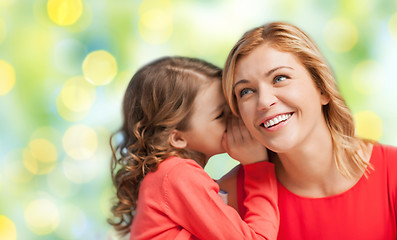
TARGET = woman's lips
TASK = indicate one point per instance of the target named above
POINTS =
(275, 120)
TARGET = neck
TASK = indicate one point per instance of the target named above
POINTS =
(309, 170)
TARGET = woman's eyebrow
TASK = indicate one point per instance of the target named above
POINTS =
(266, 74)
(239, 82)
(275, 69)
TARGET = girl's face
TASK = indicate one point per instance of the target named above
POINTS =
(207, 123)
(278, 100)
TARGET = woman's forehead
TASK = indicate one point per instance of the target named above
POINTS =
(263, 60)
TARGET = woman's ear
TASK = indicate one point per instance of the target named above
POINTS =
(324, 98)
(177, 139)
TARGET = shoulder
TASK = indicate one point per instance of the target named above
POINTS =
(384, 152)
(181, 173)
(387, 160)
(172, 164)
(389, 151)
(186, 181)
(181, 166)
(172, 167)
(384, 159)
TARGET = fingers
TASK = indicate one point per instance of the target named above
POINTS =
(240, 131)
(234, 134)
(246, 135)
(225, 142)
(241, 145)
(227, 138)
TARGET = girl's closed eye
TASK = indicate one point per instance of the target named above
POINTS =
(220, 115)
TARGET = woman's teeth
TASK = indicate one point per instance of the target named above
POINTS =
(276, 120)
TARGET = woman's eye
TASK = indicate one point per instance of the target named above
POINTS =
(245, 91)
(279, 78)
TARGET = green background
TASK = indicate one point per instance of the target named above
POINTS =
(64, 66)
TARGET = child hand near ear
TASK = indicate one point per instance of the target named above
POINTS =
(240, 145)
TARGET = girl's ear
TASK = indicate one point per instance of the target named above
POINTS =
(177, 139)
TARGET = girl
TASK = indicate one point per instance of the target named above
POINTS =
(174, 121)
(276, 79)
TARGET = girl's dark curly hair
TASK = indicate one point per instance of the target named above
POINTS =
(158, 99)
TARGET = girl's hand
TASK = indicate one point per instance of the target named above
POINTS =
(240, 145)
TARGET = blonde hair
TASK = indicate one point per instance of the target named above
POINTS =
(289, 38)
(158, 99)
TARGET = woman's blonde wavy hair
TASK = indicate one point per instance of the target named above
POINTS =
(289, 38)
(158, 99)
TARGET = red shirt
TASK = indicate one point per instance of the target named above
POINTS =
(180, 201)
(366, 211)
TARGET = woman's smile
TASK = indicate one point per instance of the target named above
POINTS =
(275, 121)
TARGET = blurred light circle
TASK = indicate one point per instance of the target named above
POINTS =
(40, 157)
(73, 223)
(64, 12)
(8, 230)
(42, 216)
(75, 99)
(340, 35)
(7, 77)
(393, 26)
(78, 95)
(99, 67)
(3, 30)
(84, 21)
(147, 5)
(50, 134)
(80, 142)
(68, 55)
(368, 125)
(368, 77)
(155, 26)
(80, 171)
(43, 150)
(68, 114)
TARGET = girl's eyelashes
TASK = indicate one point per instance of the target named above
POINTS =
(279, 78)
(220, 115)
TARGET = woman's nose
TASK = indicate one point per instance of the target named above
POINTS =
(266, 98)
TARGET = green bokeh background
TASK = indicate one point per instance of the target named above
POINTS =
(61, 189)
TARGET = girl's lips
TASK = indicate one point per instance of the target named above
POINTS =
(275, 120)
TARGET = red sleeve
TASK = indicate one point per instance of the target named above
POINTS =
(192, 201)
(261, 190)
(391, 158)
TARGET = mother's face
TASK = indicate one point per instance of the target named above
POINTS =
(278, 100)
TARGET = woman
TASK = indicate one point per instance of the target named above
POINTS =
(331, 184)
